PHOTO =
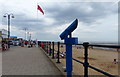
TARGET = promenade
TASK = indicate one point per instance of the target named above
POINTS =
(27, 61)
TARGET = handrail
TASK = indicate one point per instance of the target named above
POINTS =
(78, 61)
(105, 73)
(85, 63)
(108, 46)
(101, 71)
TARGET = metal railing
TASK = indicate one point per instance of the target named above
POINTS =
(86, 63)
(49, 48)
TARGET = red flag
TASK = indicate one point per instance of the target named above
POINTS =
(39, 8)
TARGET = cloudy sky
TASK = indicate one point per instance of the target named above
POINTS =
(98, 20)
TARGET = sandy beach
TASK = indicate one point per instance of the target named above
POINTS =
(102, 59)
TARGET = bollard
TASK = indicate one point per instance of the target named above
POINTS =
(85, 44)
(58, 53)
(52, 50)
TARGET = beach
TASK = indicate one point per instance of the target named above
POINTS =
(99, 58)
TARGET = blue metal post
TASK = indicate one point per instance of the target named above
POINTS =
(69, 41)
(69, 60)
(68, 57)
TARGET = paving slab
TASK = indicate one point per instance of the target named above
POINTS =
(27, 61)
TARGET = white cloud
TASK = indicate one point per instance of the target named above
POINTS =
(49, 21)
(79, 1)
(3, 26)
(56, 30)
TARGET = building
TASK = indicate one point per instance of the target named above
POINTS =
(4, 33)
(0, 40)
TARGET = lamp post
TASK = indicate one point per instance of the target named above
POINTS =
(30, 37)
(8, 15)
(25, 29)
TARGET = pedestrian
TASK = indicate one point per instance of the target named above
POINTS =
(22, 44)
(115, 61)
(117, 49)
(42, 45)
(3, 46)
(26, 42)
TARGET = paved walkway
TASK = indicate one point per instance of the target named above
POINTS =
(27, 61)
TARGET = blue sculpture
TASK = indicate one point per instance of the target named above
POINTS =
(69, 41)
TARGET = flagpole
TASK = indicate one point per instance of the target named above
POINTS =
(37, 13)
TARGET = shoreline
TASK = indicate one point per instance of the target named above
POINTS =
(101, 48)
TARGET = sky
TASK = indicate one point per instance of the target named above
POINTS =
(98, 19)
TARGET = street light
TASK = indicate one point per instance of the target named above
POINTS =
(8, 15)
(25, 29)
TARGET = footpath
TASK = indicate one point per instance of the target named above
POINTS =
(27, 61)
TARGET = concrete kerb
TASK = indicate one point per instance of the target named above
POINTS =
(58, 65)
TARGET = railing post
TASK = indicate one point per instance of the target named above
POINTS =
(39, 44)
(49, 48)
(58, 59)
(45, 46)
(85, 44)
(52, 50)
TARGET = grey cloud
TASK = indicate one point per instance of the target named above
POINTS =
(77, 10)
(45, 36)
(62, 12)
(22, 20)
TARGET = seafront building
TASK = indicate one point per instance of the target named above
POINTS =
(3, 34)
(0, 40)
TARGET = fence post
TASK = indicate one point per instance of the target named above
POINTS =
(58, 59)
(39, 43)
(49, 48)
(85, 44)
(52, 50)
(45, 46)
